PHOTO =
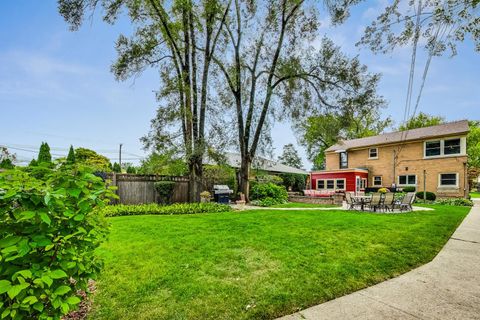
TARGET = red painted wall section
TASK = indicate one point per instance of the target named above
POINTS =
(349, 176)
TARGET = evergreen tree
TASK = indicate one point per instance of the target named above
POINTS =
(33, 163)
(44, 155)
(131, 169)
(6, 164)
(71, 156)
(116, 168)
(290, 156)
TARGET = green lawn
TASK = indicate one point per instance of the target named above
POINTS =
(475, 194)
(303, 205)
(257, 264)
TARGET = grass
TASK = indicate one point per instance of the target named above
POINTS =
(475, 194)
(303, 205)
(257, 264)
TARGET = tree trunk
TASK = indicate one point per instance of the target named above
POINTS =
(195, 183)
(243, 182)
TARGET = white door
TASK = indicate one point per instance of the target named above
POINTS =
(358, 184)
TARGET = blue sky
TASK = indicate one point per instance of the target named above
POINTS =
(55, 85)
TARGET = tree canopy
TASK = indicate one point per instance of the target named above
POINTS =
(290, 156)
(92, 159)
(44, 155)
(421, 120)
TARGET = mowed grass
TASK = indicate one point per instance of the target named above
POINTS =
(257, 264)
(475, 194)
(303, 205)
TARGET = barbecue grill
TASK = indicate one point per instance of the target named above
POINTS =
(221, 193)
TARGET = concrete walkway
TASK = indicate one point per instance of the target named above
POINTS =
(448, 287)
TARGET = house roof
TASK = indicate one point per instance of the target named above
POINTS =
(234, 160)
(446, 129)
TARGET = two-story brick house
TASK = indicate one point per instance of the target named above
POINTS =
(432, 157)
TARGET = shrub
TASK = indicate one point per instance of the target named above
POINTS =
(44, 155)
(409, 189)
(269, 178)
(205, 195)
(461, 202)
(383, 190)
(295, 181)
(156, 209)
(50, 229)
(430, 195)
(116, 168)
(269, 192)
(71, 156)
(165, 190)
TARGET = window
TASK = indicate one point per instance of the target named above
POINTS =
(432, 148)
(343, 160)
(320, 184)
(407, 180)
(330, 184)
(451, 146)
(363, 183)
(443, 147)
(448, 180)
(377, 180)
(373, 153)
(340, 184)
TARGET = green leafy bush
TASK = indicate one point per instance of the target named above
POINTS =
(269, 192)
(409, 189)
(430, 195)
(50, 227)
(176, 208)
(461, 202)
(165, 190)
(295, 181)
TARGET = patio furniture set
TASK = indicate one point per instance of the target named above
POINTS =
(379, 201)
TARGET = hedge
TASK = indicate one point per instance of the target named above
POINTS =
(430, 195)
(157, 209)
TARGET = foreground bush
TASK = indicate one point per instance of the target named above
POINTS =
(49, 231)
(177, 208)
(456, 202)
(268, 194)
(429, 195)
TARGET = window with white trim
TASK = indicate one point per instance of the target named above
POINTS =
(363, 183)
(320, 184)
(343, 158)
(448, 180)
(330, 184)
(377, 180)
(407, 180)
(446, 147)
(451, 146)
(373, 153)
(340, 184)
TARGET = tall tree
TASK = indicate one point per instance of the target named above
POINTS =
(92, 159)
(421, 120)
(290, 156)
(442, 24)
(179, 38)
(71, 156)
(44, 155)
(271, 71)
(473, 152)
(6, 158)
(319, 132)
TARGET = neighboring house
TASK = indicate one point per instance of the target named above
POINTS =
(234, 160)
(400, 159)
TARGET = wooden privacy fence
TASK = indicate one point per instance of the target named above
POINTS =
(138, 189)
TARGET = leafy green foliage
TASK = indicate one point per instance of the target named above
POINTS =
(295, 181)
(290, 157)
(163, 164)
(44, 155)
(220, 174)
(156, 209)
(421, 120)
(117, 168)
(268, 194)
(409, 189)
(165, 190)
(92, 159)
(131, 170)
(456, 202)
(430, 196)
(50, 229)
(71, 156)
(33, 163)
(6, 159)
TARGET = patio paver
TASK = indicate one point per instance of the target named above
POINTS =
(448, 287)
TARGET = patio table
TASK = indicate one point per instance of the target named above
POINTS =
(363, 200)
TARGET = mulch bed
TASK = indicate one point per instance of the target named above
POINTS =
(84, 306)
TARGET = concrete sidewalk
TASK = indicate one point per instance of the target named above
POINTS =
(448, 287)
